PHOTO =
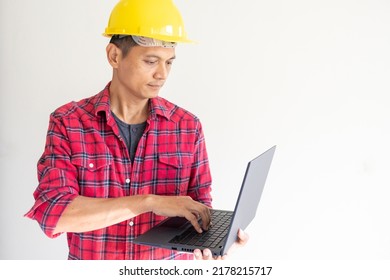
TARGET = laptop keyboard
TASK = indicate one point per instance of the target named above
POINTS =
(209, 239)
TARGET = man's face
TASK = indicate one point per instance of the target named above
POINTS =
(144, 71)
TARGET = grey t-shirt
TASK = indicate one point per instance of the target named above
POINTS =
(131, 133)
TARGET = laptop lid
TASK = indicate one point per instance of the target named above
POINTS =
(250, 195)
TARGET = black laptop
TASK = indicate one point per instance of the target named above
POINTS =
(177, 233)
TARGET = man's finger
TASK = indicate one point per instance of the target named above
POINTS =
(193, 219)
(206, 218)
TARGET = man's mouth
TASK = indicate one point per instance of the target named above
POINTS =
(156, 86)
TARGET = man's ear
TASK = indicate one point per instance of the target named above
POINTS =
(113, 55)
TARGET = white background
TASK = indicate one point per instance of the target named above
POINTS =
(311, 77)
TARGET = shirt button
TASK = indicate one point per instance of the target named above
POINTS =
(131, 223)
(91, 165)
(127, 180)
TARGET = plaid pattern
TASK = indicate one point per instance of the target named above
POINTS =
(85, 155)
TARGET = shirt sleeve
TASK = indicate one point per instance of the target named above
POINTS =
(57, 179)
(200, 181)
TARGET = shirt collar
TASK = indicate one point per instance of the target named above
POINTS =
(158, 106)
(103, 102)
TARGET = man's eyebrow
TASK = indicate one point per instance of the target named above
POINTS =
(158, 57)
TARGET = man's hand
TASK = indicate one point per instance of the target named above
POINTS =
(182, 206)
(242, 239)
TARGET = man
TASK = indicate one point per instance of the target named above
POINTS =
(119, 162)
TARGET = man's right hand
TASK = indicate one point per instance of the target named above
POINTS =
(181, 206)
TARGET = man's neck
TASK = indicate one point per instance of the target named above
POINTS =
(128, 109)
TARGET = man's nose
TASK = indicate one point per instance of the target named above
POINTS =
(161, 72)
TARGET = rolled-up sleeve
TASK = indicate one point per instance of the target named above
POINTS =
(57, 179)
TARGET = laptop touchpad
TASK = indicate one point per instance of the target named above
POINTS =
(176, 222)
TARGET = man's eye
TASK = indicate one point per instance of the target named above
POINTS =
(151, 62)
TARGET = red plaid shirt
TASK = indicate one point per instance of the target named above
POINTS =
(85, 155)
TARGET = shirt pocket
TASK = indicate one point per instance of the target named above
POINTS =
(94, 174)
(173, 174)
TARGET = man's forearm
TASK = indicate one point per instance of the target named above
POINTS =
(86, 213)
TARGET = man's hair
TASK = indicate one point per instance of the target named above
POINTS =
(124, 43)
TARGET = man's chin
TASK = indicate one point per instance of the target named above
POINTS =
(153, 93)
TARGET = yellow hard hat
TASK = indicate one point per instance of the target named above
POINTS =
(157, 19)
